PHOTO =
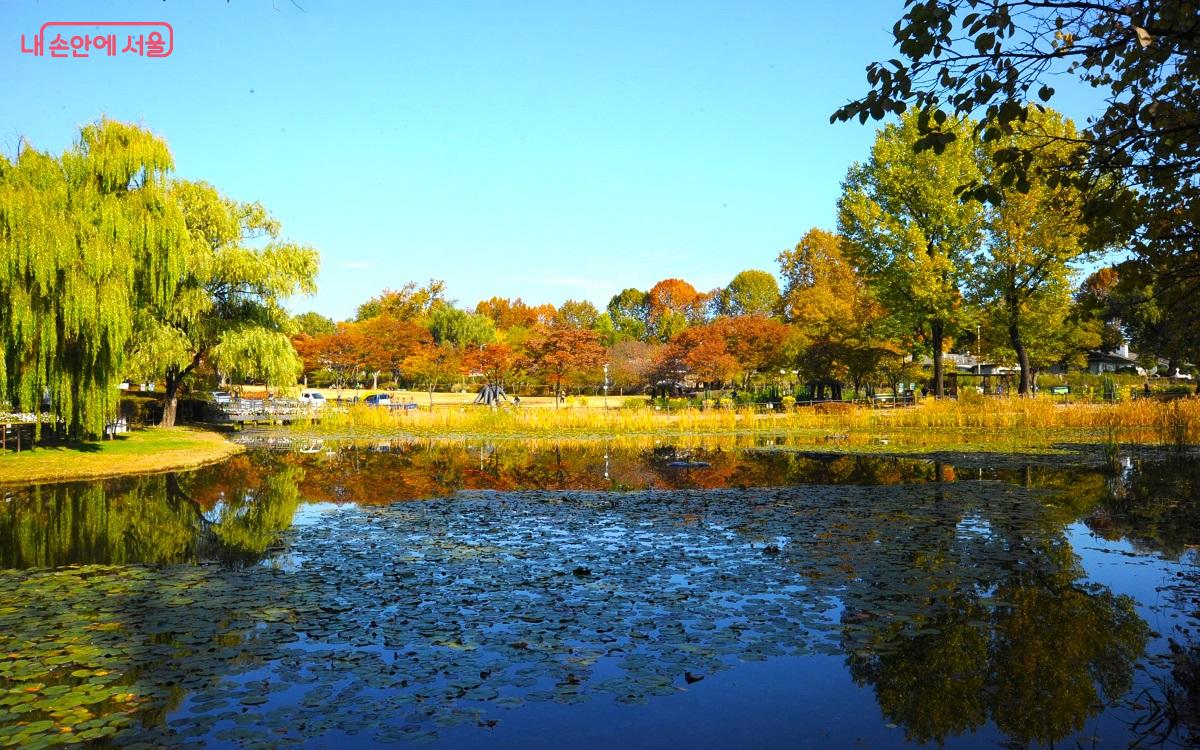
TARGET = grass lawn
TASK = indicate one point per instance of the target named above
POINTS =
(139, 452)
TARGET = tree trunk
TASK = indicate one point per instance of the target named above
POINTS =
(938, 330)
(170, 402)
(174, 378)
(1014, 337)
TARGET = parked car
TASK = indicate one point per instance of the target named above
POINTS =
(378, 399)
(221, 397)
(312, 398)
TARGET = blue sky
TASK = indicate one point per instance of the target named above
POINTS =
(547, 150)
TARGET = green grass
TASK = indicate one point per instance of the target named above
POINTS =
(139, 452)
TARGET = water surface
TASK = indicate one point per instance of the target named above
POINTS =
(530, 595)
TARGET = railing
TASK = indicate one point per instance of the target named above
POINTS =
(263, 410)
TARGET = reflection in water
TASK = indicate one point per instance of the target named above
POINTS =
(382, 473)
(1157, 509)
(229, 512)
(1155, 506)
(961, 605)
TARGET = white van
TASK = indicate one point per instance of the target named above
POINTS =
(313, 399)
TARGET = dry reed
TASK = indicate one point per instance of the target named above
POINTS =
(1144, 420)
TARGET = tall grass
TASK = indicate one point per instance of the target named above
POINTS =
(1143, 420)
(1177, 423)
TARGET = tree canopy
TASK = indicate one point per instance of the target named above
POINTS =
(751, 292)
(87, 240)
(227, 308)
(1137, 169)
(907, 230)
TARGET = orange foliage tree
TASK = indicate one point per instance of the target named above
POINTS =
(560, 352)
(431, 364)
(387, 342)
(672, 305)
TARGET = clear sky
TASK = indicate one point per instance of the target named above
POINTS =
(546, 150)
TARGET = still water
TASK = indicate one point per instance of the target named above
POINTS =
(541, 595)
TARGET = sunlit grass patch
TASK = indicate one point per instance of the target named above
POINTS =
(138, 452)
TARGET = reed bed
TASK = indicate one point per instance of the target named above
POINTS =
(1142, 421)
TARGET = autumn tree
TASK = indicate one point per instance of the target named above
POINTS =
(226, 308)
(751, 292)
(577, 314)
(411, 302)
(671, 306)
(755, 342)
(515, 313)
(432, 364)
(908, 230)
(1097, 302)
(841, 328)
(703, 353)
(342, 353)
(630, 364)
(496, 362)
(387, 342)
(560, 352)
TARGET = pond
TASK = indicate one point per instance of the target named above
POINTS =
(706, 594)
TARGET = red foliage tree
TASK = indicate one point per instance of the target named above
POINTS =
(560, 352)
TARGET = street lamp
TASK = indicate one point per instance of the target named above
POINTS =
(606, 386)
(978, 352)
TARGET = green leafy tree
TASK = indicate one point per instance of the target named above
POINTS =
(227, 307)
(577, 314)
(85, 240)
(987, 59)
(1155, 312)
(629, 311)
(313, 324)
(1053, 331)
(1033, 237)
(910, 233)
(450, 325)
(751, 292)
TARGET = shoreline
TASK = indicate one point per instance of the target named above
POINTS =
(150, 451)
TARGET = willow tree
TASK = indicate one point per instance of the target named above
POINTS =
(226, 309)
(909, 231)
(85, 240)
